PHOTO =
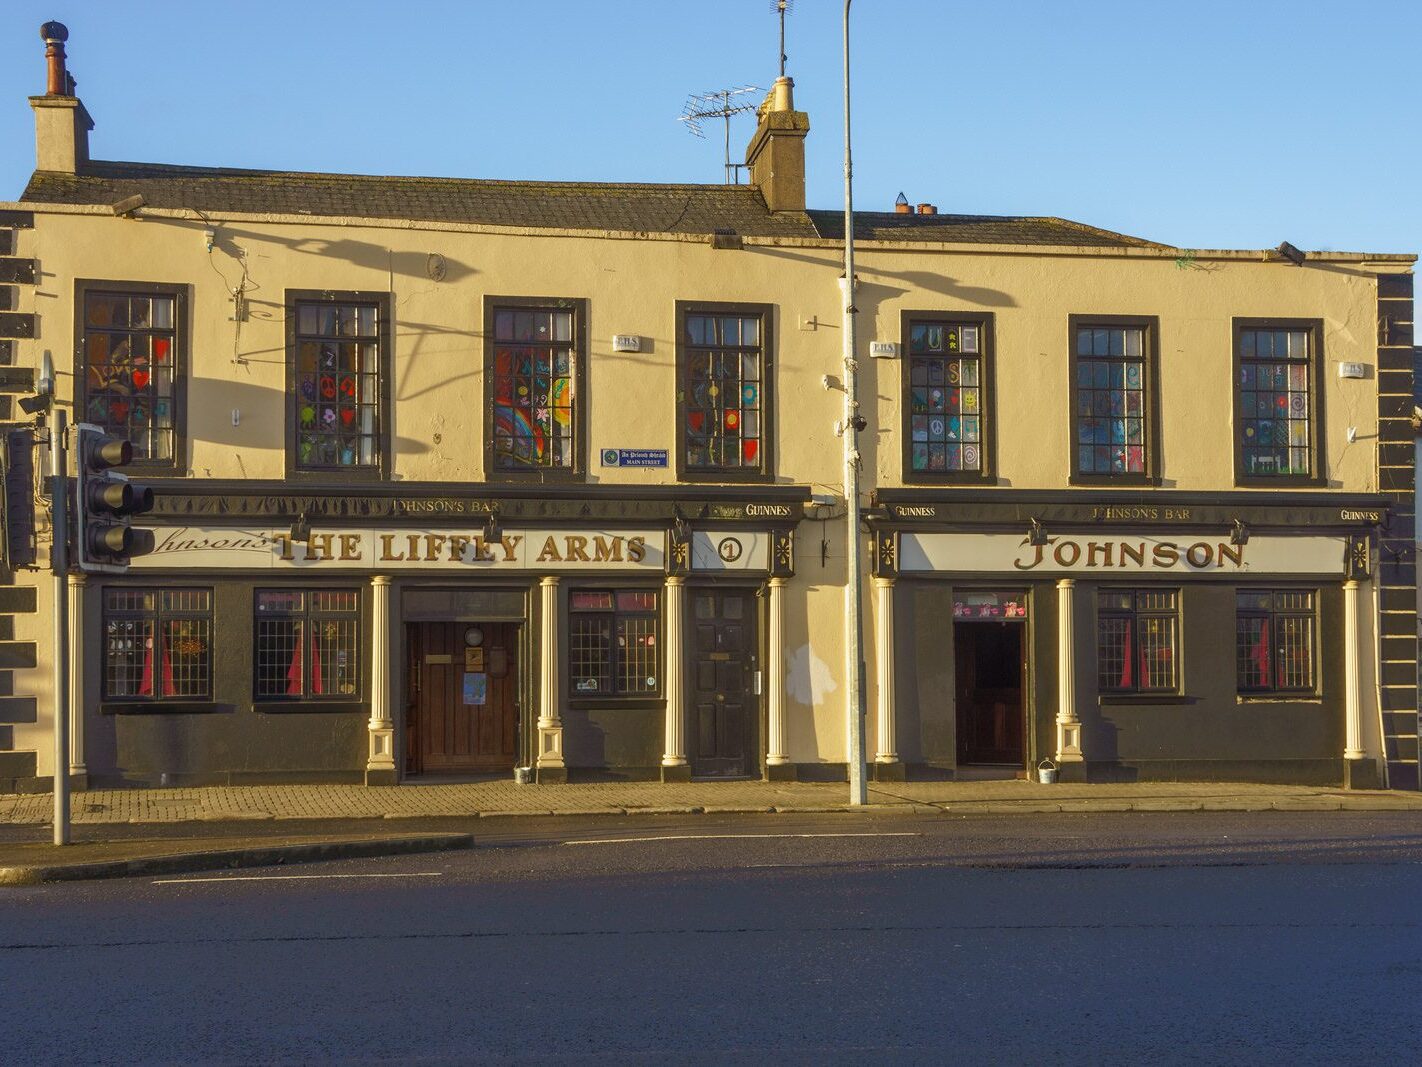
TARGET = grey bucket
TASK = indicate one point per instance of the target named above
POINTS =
(1047, 772)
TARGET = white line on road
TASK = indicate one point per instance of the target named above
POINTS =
(724, 837)
(289, 877)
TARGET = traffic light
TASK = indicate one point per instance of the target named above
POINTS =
(107, 502)
(19, 500)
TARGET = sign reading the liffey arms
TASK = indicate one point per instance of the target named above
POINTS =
(1105, 555)
(189, 547)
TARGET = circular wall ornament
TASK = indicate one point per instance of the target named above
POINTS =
(473, 637)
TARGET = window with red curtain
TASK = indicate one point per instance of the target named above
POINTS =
(307, 644)
(1136, 640)
(157, 644)
(1274, 640)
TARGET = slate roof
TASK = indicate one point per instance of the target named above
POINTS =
(634, 207)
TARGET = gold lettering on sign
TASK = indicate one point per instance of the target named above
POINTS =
(577, 549)
(550, 552)
(1164, 555)
(1035, 561)
(607, 550)
(284, 540)
(1059, 553)
(636, 549)
(1233, 553)
(510, 545)
(387, 549)
(1095, 548)
(318, 546)
(1135, 552)
(458, 545)
(1199, 554)
(350, 546)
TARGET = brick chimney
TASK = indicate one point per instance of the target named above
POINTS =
(61, 124)
(776, 154)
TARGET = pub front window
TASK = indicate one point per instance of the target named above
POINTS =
(157, 644)
(1274, 640)
(307, 644)
(612, 642)
(1136, 640)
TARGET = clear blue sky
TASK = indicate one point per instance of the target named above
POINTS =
(1206, 124)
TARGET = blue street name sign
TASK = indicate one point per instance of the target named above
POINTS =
(634, 457)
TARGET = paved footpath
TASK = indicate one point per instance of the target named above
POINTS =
(502, 798)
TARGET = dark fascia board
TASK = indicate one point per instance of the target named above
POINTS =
(1148, 508)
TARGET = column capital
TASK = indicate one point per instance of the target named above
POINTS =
(1350, 584)
(380, 579)
(549, 581)
(882, 581)
(78, 579)
(671, 579)
(1065, 583)
(778, 581)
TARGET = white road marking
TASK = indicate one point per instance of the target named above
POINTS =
(726, 837)
(290, 877)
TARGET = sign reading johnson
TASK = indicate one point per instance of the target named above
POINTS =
(1093, 554)
(188, 547)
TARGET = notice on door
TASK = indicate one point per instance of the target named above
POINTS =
(476, 689)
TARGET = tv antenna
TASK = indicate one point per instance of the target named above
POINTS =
(782, 8)
(718, 104)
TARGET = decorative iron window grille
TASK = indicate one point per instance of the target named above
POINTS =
(1274, 640)
(307, 644)
(1137, 633)
(612, 643)
(157, 644)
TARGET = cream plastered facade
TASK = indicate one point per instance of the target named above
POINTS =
(235, 400)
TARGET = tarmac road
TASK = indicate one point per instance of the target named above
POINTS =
(1245, 938)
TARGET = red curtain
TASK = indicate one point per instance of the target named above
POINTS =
(145, 682)
(293, 672)
(318, 686)
(1260, 654)
(1127, 656)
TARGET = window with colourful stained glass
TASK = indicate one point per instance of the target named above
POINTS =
(1112, 408)
(130, 368)
(336, 385)
(724, 377)
(307, 644)
(1136, 640)
(1274, 640)
(1275, 401)
(157, 644)
(947, 399)
(612, 642)
(534, 377)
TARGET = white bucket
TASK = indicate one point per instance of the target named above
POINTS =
(1047, 772)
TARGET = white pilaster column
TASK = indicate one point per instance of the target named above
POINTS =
(1068, 725)
(380, 764)
(1352, 687)
(77, 703)
(674, 672)
(886, 749)
(775, 754)
(550, 684)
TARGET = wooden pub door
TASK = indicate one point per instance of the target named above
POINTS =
(724, 704)
(990, 666)
(462, 699)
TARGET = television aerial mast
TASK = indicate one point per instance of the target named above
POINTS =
(719, 104)
(782, 8)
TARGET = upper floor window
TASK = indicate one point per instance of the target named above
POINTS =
(1113, 399)
(157, 644)
(307, 644)
(948, 397)
(131, 378)
(534, 363)
(338, 354)
(612, 642)
(724, 401)
(1274, 631)
(1278, 428)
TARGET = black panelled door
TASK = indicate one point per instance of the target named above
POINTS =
(725, 708)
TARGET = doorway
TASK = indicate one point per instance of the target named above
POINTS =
(725, 710)
(462, 697)
(991, 668)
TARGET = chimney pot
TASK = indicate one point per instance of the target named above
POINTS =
(927, 209)
(58, 82)
(901, 205)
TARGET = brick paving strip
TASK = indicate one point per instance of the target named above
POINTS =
(503, 798)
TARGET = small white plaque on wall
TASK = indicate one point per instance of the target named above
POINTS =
(626, 342)
(1352, 370)
(884, 349)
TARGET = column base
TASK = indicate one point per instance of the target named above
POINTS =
(676, 772)
(781, 772)
(78, 780)
(1361, 774)
(1072, 770)
(889, 771)
(551, 775)
(381, 776)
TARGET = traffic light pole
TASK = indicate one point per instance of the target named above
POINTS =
(59, 562)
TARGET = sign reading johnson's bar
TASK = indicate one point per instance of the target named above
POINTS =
(216, 548)
(1093, 554)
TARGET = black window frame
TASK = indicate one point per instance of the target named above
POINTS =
(1309, 691)
(765, 471)
(1317, 475)
(1137, 615)
(986, 322)
(381, 469)
(579, 470)
(83, 288)
(658, 616)
(306, 614)
(175, 702)
(1150, 359)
